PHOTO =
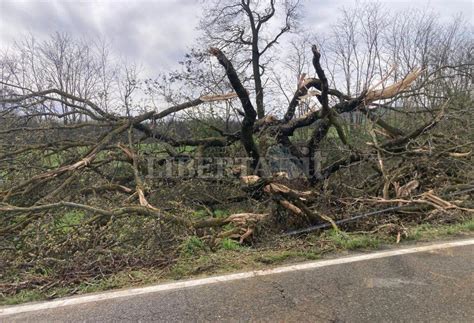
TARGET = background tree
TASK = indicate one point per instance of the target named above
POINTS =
(249, 30)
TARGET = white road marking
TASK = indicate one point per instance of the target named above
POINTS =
(224, 278)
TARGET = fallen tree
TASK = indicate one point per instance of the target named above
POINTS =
(47, 186)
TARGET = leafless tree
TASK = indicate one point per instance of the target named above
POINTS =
(252, 27)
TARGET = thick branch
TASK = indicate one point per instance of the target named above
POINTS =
(250, 114)
(322, 77)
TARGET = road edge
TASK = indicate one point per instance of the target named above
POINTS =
(76, 300)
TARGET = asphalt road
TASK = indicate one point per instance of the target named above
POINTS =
(423, 286)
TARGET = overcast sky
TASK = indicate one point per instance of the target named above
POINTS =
(156, 33)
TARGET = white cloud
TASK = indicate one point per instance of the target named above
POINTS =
(154, 33)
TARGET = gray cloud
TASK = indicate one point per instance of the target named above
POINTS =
(152, 33)
(156, 33)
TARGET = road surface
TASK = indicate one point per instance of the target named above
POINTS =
(433, 283)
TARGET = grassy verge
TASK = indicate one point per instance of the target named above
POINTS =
(197, 260)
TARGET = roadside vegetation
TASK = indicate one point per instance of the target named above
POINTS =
(197, 261)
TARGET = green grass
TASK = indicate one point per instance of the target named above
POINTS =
(221, 213)
(53, 159)
(23, 297)
(192, 246)
(430, 232)
(352, 241)
(229, 244)
(200, 214)
(69, 220)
